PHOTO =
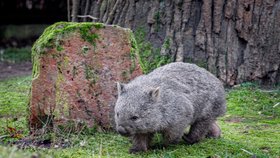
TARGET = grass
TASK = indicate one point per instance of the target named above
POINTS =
(14, 96)
(251, 128)
(15, 55)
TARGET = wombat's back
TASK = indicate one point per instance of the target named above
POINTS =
(187, 75)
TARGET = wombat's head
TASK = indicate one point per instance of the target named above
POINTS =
(136, 110)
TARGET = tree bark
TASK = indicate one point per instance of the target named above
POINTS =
(237, 40)
(68, 10)
(75, 9)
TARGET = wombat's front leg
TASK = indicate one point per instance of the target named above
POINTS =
(140, 143)
(198, 131)
(173, 135)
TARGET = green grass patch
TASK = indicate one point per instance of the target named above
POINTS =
(251, 128)
(253, 103)
(14, 96)
(15, 55)
(13, 107)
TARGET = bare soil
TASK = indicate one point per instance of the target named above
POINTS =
(8, 70)
(235, 119)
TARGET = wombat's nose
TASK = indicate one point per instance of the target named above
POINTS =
(122, 131)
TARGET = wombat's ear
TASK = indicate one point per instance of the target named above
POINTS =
(121, 88)
(155, 93)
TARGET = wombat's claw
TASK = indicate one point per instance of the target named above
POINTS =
(135, 150)
(213, 136)
(157, 146)
(188, 140)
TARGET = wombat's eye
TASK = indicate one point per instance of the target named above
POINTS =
(134, 118)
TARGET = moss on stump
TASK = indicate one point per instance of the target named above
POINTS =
(75, 67)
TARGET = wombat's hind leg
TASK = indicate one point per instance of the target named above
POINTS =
(198, 131)
(214, 131)
(140, 143)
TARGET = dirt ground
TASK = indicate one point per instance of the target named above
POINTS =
(8, 70)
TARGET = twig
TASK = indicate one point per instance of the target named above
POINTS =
(4, 136)
(248, 152)
(12, 152)
(269, 91)
(274, 106)
(100, 150)
(87, 16)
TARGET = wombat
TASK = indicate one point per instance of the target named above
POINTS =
(168, 100)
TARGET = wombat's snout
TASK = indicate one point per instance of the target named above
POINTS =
(122, 131)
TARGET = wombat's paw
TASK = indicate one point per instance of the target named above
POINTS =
(214, 131)
(136, 150)
(187, 138)
(171, 142)
(157, 146)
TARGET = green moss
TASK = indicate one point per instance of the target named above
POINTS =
(87, 35)
(59, 95)
(125, 75)
(150, 57)
(66, 61)
(90, 74)
(85, 49)
(54, 34)
(59, 48)
(98, 25)
(134, 52)
(166, 43)
(53, 38)
(157, 20)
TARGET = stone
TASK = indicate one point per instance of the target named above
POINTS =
(75, 70)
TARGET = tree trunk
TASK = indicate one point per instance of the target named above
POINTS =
(75, 9)
(237, 40)
(68, 10)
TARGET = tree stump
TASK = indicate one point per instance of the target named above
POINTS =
(75, 69)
